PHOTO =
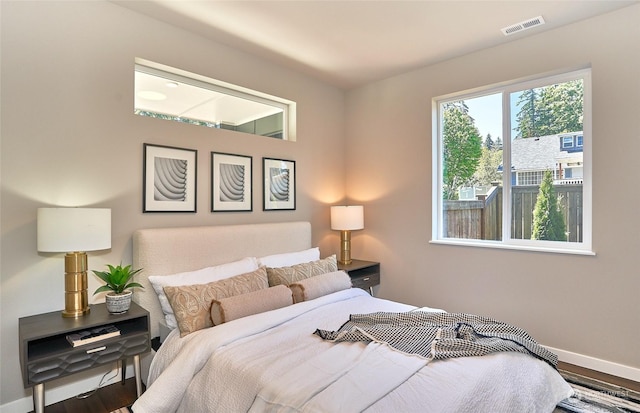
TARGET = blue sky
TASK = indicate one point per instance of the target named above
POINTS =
(487, 113)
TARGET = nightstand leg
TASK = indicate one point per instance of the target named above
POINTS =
(138, 374)
(123, 371)
(38, 398)
(371, 291)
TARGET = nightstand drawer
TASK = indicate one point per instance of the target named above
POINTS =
(85, 357)
(47, 352)
(366, 281)
(364, 274)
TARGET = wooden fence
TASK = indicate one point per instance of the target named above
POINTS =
(482, 219)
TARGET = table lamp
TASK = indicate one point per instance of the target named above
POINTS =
(346, 219)
(74, 231)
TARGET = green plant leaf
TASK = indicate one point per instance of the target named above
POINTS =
(103, 289)
(117, 279)
(133, 285)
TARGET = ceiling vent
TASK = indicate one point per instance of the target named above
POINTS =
(518, 27)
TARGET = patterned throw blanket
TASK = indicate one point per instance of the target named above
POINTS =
(438, 336)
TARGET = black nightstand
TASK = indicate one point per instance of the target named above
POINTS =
(45, 353)
(364, 274)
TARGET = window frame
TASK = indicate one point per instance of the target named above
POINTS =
(567, 142)
(506, 89)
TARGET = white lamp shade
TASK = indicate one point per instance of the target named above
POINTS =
(347, 217)
(74, 229)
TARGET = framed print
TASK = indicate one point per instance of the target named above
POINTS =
(169, 179)
(279, 184)
(231, 182)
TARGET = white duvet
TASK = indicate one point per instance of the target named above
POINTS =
(273, 362)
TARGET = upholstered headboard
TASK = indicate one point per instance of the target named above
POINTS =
(165, 251)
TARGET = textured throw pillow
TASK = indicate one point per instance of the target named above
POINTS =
(288, 275)
(202, 276)
(191, 304)
(290, 258)
(319, 285)
(231, 308)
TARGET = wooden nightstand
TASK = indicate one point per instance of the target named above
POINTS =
(364, 274)
(45, 353)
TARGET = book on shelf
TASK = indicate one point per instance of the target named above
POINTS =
(91, 336)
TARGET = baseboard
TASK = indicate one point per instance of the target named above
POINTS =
(592, 363)
(55, 394)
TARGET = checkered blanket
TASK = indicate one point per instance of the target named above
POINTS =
(438, 336)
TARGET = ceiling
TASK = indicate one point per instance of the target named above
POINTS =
(351, 43)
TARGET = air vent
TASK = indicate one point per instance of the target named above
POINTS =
(518, 27)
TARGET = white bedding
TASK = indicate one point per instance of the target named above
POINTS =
(225, 368)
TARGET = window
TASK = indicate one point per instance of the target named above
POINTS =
(567, 141)
(529, 178)
(540, 128)
(172, 94)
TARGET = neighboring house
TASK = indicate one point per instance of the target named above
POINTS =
(562, 154)
(531, 157)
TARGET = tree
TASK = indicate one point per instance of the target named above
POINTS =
(548, 220)
(527, 117)
(561, 107)
(488, 142)
(551, 110)
(462, 148)
(487, 171)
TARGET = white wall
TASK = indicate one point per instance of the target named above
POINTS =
(578, 304)
(70, 138)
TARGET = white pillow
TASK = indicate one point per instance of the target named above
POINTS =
(290, 258)
(202, 276)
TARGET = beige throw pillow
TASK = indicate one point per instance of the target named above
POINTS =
(320, 285)
(191, 304)
(288, 275)
(231, 308)
(202, 276)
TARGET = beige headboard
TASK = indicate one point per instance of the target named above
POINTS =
(165, 251)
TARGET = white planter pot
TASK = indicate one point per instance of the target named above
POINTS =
(118, 303)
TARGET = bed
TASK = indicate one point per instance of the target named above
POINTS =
(273, 356)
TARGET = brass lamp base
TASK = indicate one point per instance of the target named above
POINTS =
(76, 299)
(345, 247)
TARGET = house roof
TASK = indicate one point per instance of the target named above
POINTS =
(541, 153)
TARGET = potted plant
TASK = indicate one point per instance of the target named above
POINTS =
(117, 279)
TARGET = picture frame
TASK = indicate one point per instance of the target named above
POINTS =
(279, 184)
(169, 179)
(231, 182)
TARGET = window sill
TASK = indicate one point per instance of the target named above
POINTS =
(498, 245)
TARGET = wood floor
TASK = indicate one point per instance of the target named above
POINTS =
(603, 377)
(114, 396)
(104, 400)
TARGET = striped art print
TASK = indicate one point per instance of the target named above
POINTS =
(169, 179)
(279, 180)
(231, 181)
